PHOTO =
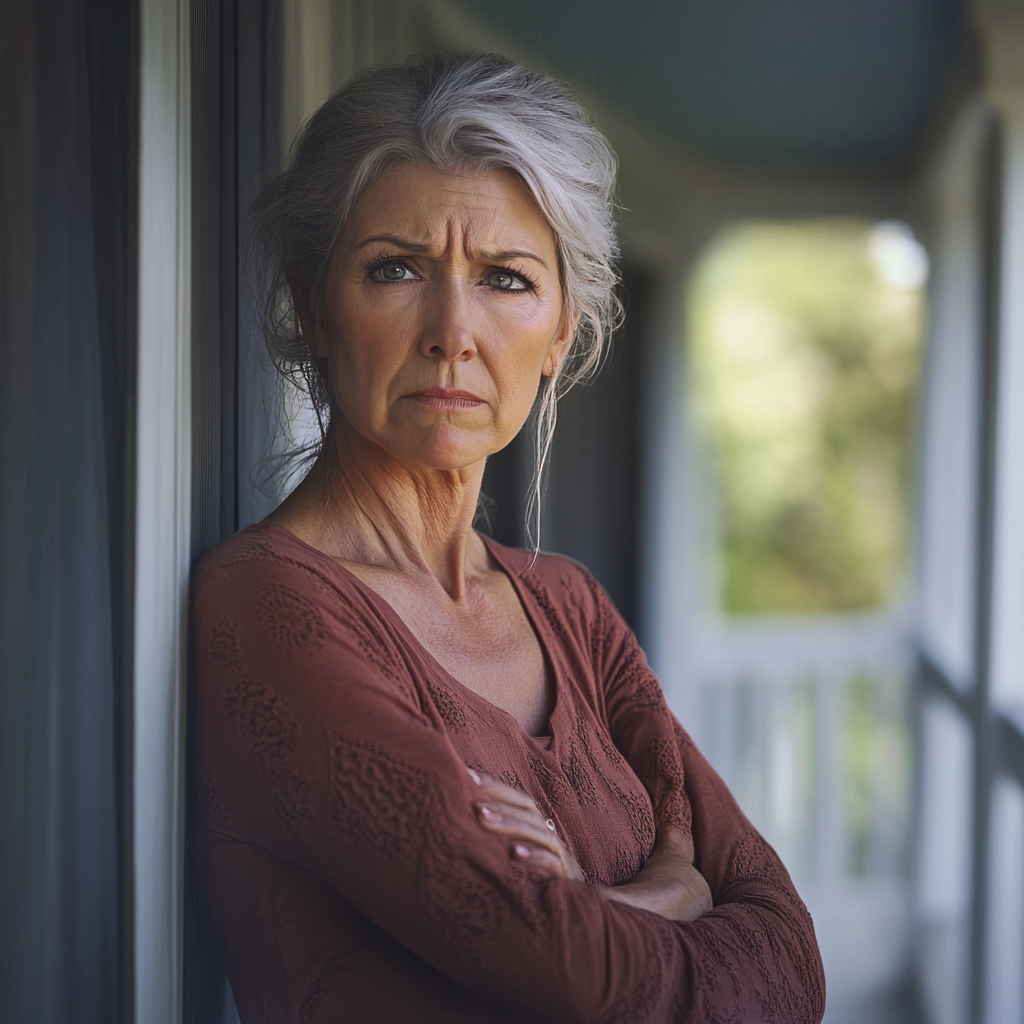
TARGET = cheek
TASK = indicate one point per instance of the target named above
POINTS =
(516, 366)
(534, 334)
(367, 350)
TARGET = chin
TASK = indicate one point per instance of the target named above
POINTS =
(446, 460)
(445, 450)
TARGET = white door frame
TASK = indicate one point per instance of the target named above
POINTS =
(162, 509)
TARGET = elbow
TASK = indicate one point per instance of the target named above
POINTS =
(807, 974)
(815, 991)
(809, 987)
(786, 969)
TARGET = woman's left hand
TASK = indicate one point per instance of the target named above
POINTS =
(531, 839)
(668, 884)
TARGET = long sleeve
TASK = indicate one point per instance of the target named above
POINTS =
(754, 957)
(330, 763)
(338, 815)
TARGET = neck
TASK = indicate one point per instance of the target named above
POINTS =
(362, 505)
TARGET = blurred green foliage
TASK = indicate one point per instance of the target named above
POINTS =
(804, 360)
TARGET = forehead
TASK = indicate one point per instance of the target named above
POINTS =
(425, 204)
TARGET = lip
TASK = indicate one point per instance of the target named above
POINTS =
(447, 398)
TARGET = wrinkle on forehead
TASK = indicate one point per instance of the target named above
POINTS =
(474, 214)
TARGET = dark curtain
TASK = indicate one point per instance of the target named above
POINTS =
(66, 330)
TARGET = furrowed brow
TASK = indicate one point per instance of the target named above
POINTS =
(399, 243)
(513, 254)
(407, 245)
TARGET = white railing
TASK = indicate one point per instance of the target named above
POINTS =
(808, 723)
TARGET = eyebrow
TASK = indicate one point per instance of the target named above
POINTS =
(513, 254)
(399, 243)
(501, 256)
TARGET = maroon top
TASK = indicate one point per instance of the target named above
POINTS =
(346, 868)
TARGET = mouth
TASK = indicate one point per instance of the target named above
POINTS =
(447, 398)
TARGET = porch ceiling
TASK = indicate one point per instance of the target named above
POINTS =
(811, 82)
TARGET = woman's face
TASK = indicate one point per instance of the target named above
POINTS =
(442, 309)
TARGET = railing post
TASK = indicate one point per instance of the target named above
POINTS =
(981, 708)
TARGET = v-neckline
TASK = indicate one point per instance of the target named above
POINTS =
(388, 612)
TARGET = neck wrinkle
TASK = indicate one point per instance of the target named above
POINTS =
(386, 514)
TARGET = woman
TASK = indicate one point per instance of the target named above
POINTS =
(439, 781)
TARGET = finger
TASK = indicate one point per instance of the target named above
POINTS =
(529, 815)
(503, 818)
(495, 790)
(567, 866)
(503, 791)
(514, 829)
(539, 859)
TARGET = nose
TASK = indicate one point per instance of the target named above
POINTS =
(448, 327)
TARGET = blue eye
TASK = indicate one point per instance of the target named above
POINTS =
(505, 280)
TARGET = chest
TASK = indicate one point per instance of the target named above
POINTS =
(580, 782)
(488, 644)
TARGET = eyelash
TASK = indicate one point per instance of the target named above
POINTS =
(376, 262)
(531, 285)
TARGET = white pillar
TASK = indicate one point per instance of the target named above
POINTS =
(1002, 29)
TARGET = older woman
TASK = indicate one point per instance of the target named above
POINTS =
(439, 781)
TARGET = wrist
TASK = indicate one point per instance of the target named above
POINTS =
(655, 899)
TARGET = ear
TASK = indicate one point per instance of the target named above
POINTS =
(560, 345)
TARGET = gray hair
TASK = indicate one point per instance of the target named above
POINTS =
(454, 112)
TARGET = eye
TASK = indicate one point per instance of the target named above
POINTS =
(393, 272)
(505, 280)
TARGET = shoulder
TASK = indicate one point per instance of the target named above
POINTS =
(252, 566)
(287, 590)
(265, 599)
(258, 551)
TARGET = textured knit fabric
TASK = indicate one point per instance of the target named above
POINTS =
(346, 868)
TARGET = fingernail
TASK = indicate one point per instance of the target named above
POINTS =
(487, 814)
(473, 775)
(521, 851)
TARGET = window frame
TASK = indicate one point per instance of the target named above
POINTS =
(162, 511)
(996, 732)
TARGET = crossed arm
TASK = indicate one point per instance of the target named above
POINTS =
(668, 884)
(328, 765)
